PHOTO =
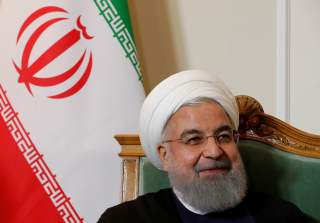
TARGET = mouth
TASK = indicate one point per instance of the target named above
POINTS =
(213, 168)
(212, 172)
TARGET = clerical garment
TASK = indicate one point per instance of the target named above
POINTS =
(162, 207)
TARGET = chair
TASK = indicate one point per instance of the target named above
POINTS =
(280, 160)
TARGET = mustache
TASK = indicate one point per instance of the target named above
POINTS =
(213, 164)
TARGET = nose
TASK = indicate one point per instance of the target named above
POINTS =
(211, 149)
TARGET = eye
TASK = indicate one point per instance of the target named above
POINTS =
(194, 140)
(224, 137)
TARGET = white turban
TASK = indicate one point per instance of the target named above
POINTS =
(168, 96)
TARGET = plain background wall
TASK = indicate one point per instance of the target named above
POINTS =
(235, 39)
(239, 41)
(305, 64)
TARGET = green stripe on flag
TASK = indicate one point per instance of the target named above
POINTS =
(123, 9)
(116, 14)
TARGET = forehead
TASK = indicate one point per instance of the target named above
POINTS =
(206, 116)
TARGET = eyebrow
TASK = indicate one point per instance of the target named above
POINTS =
(197, 131)
(190, 132)
(223, 128)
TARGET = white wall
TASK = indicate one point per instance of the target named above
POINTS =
(235, 39)
(305, 64)
(268, 49)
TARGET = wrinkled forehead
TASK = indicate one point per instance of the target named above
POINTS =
(197, 102)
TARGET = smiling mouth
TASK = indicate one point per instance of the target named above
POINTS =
(212, 172)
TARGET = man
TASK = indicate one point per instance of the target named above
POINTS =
(188, 128)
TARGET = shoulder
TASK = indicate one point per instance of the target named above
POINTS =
(149, 206)
(266, 208)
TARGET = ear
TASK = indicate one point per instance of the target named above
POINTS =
(163, 155)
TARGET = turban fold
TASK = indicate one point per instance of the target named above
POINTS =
(168, 96)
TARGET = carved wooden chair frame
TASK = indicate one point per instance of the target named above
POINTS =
(254, 125)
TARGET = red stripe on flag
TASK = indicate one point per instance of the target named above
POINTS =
(22, 197)
(29, 191)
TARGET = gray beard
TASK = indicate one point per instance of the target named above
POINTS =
(212, 194)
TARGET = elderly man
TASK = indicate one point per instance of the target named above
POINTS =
(188, 128)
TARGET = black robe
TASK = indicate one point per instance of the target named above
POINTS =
(160, 207)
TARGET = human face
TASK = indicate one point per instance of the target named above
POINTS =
(208, 118)
(208, 176)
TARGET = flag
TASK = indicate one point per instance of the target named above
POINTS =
(69, 81)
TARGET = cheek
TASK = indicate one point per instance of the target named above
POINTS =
(185, 159)
(233, 154)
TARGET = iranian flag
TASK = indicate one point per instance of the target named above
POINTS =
(69, 81)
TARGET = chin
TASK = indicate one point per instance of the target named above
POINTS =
(212, 191)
